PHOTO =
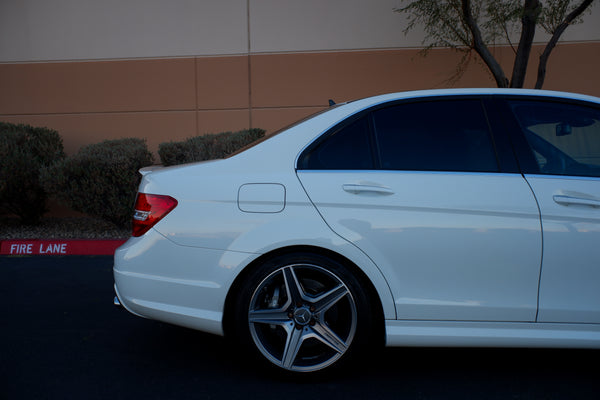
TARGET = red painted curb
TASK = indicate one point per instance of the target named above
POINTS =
(59, 247)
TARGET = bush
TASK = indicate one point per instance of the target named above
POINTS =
(207, 147)
(24, 151)
(101, 179)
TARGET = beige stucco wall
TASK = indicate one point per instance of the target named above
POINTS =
(67, 30)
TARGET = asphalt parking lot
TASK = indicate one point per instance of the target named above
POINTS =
(61, 338)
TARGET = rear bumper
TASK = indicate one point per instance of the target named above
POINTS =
(158, 279)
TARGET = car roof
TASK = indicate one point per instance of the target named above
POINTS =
(414, 94)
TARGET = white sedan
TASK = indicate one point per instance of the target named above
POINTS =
(432, 218)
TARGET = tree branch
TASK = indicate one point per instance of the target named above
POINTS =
(541, 75)
(507, 36)
(531, 11)
(481, 48)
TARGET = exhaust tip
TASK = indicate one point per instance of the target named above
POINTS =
(116, 302)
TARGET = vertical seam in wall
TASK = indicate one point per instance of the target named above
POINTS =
(249, 65)
(196, 108)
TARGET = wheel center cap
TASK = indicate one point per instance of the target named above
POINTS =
(302, 316)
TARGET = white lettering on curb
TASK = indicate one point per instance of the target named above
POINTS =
(53, 248)
(32, 248)
(21, 248)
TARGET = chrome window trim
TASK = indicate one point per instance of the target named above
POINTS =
(567, 177)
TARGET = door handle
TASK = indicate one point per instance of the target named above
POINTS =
(367, 189)
(575, 201)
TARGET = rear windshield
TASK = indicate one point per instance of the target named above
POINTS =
(277, 132)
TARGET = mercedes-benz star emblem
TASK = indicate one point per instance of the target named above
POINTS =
(302, 316)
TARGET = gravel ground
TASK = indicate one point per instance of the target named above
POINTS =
(62, 228)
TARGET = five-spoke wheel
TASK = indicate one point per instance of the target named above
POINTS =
(302, 313)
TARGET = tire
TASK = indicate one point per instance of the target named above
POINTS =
(303, 312)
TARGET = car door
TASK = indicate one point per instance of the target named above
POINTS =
(418, 188)
(562, 161)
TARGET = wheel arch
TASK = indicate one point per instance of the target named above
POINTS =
(359, 274)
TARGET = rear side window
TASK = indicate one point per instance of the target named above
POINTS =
(564, 138)
(447, 135)
(348, 148)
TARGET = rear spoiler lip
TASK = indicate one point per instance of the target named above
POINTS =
(148, 170)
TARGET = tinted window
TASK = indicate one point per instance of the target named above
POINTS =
(347, 148)
(435, 136)
(564, 138)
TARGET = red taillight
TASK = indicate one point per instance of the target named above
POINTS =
(149, 209)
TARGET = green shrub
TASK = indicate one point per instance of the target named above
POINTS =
(101, 179)
(207, 147)
(24, 151)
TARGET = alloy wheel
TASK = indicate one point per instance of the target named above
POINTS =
(302, 317)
